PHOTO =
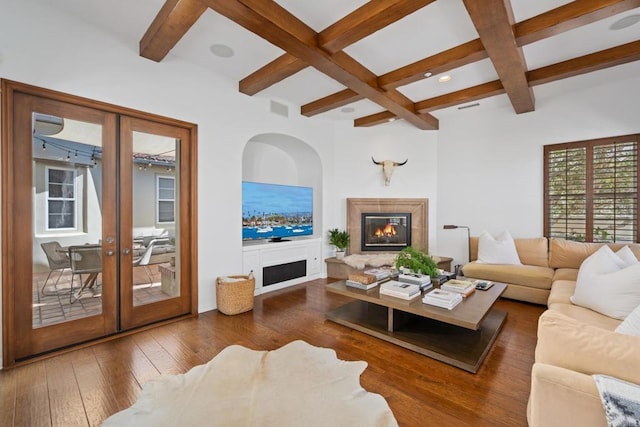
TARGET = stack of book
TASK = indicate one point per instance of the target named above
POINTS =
(393, 288)
(463, 287)
(443, 277)
(382, 273)
(441, 298)
(422, 280)
(361, 281)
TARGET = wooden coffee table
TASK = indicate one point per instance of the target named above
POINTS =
(460, 337)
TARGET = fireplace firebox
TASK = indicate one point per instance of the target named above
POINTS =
(385, 231)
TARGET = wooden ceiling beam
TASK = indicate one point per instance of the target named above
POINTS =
(568, 17)
(362, 22)
(455, 57)
(336, 100)
(471, 94)
(494, 21)
(172, 22)
(366, 20)
(618, 55)
(275, 24)
(277, 70)
(374, 119)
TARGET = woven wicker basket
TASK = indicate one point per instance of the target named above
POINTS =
(234, 297)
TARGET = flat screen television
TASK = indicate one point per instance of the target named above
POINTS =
(276, 212)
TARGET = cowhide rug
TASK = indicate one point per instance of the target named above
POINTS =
(295, 385)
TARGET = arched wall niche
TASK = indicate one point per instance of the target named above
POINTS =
(283, 159)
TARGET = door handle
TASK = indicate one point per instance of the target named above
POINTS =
(109, 252)
(126, 251)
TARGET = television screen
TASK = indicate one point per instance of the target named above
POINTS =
(275, 212)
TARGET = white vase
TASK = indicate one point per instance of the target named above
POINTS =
(339, 254)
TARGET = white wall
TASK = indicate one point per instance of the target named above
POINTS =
(490, 174)
(357, 176)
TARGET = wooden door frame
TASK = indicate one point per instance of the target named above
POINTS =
(8, 90)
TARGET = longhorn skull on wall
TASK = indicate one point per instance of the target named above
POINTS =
(387, 168)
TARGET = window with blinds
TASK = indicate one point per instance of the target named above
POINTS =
(591, 190)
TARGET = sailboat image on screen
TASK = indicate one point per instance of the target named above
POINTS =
(276, 212)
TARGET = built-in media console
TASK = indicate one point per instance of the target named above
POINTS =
(285, 263)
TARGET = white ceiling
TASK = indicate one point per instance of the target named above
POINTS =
(430, 30)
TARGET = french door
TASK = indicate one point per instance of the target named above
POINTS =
(98, 220)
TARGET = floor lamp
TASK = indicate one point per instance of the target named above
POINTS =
(452, 227)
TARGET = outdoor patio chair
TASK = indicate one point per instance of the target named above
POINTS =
(58, 261)
(144, 259)
(85, 259)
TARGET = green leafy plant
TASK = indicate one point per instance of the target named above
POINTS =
(417, 261)
(339, 239)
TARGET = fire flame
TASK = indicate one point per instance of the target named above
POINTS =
(388, 231)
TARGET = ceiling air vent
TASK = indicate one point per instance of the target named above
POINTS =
(462, 107)
(279, 109)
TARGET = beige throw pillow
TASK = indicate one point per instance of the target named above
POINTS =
(607, 284)
(498, 250)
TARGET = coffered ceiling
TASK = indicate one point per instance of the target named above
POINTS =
(368, 61)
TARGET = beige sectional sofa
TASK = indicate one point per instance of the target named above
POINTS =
(574, 343)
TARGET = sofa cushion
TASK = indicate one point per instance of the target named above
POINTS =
(561, 291)
(570, 254)
(497, 250)
(575, 345)
(631, 325)
(526, 275)
(605, 284)
(565, 274)
(533, 251)
(584, 315)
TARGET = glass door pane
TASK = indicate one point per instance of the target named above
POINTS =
(67, 219)
(155, 241)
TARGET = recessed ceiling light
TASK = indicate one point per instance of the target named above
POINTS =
(392, 119)
(625, 22)
(221, 50)
(428, 74)
(347, 109)
(444, 78)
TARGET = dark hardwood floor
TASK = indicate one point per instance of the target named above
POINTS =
(85, 386)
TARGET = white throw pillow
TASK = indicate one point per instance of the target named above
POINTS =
(498, 250)
(631, 325)
(627, 256)
(606, 285)
(602, 261)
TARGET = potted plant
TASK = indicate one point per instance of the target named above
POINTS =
(416, 261)
(339, 239)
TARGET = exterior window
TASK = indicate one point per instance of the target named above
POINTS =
(61, 199)
(166, 197)
(591, 190)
